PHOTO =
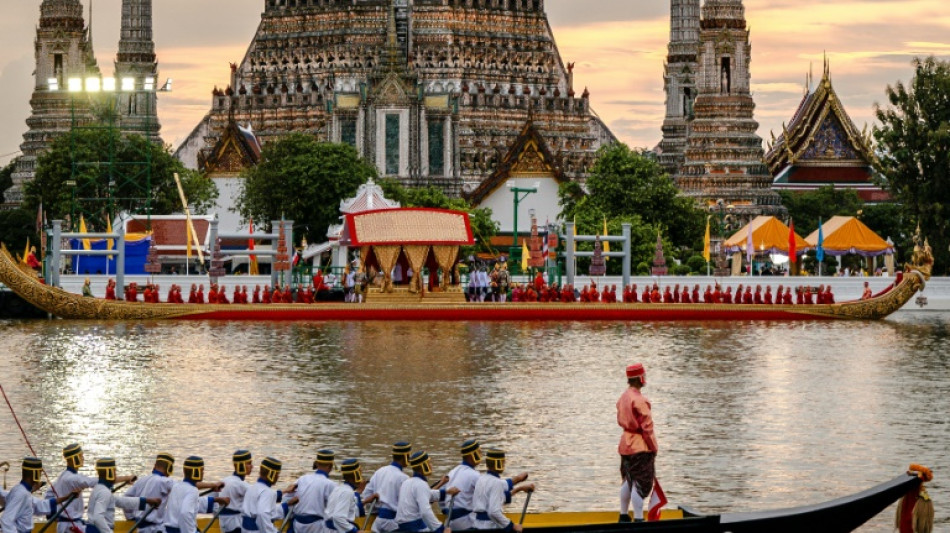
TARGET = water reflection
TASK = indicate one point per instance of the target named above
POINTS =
(749, 416)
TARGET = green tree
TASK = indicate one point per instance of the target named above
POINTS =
(805, 208)
(483, 226)
(629, 186)
(92, 195)
(302, 179)
(16, 226)
(6, 179)
(913, 142)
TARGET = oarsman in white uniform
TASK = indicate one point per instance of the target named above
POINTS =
(234, 489)
(103, 501)
(262, 503)
(69, 480)
(312, 492)
(416, 498)
(492, 493)
(384, 486)
(156, 485)
(184, 502)
(345, 503)
(464, 477)
(21, 505)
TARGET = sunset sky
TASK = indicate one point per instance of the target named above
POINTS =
(618, 45)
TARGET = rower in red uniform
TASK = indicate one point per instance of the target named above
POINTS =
(767, 298)
(707, 295)
(668, 295)
(257, 294)
(787, 298)
(747, 298)
(634, 295)
(193, 294)
(213, 294)
(829, 296)
(236, 296)
(605, 295)
(110, 290)
(288, 297)
(655, 294)
(201, 294)
(799, 295)
(318, 281)
(647, 298)
(244, 294)
(757, 298)
(530, 295)
(223, 296)
(613, 294)
(538, 282)
(594, 293)
(147, 294)
(695, 295)
(676, 294)
(132, 294)
(778, 294)
(727, 296)
(684, 295)
(276, 296)
(809, 299)
(717, 294)
(738, 297)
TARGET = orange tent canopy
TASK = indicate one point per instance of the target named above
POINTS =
(769, 235)
(848, 235)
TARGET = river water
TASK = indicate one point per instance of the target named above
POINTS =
(749, 415)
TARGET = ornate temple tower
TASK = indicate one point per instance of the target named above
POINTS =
(679, 81)
(724, 158)
(138, 109)
(63, 50)
(434, 92)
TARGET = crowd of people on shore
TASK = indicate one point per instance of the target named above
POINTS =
(314, 503)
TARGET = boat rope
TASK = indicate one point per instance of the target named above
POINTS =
(29, 445)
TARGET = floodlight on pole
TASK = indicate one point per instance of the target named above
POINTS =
(75, 85)
(108, 85)
(128, 84)
(93, 85)
(52, 84)
(149, 83)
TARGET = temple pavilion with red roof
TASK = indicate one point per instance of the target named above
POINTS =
(821, 146)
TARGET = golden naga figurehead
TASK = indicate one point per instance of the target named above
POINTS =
(923, 259)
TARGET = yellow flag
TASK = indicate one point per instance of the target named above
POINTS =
(109, 242)
(525, 254)
(706, 243)
(606, 247)
(86, 245)
(26, 251)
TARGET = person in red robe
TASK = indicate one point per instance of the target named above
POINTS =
(110, 290)
(171, 295)
(276, 295)
(288, 297)
(727, 296)
(236, 295)
(738, 296)
(829, 296)
(244, 299)
(655, 294)
(787, 298)
(266, 295)
(778, 294)
(799, 295)
(529, 295)
(132, 294)
(318, 281)
(684, 297)
(213, 294)
(613, 294)
(634, 295)
(223, 296)
(695, 295)
(605, 295)
(767, 298)
(757, 297)
(747, 298)
(676, 294)
(668, 295)
(538, 282)
(257, 294)
(516, 293)
(647, 295)
(809, 299)
(31, 260)
(717, 294)
(147, 294)
(707, 295)
(594, 293)
(201, 294)
(193, 294)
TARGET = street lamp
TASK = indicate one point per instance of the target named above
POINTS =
(520, 193)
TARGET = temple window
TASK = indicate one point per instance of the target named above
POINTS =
(392, 144)
(348, 131)
(725, 75)
(436, 147)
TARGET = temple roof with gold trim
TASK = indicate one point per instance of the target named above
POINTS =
(820, 134)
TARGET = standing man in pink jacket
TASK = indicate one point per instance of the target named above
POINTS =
(637, 445)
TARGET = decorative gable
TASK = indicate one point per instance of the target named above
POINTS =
(529, 155)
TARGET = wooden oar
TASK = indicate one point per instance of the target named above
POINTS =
(448, 515)
(52, 519)
(369, 515)
(119, 486)
(524, 511)
(213, 519)
(285, 525)
(144, 516)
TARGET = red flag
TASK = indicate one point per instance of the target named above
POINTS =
(657, 501)
(791, 243)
